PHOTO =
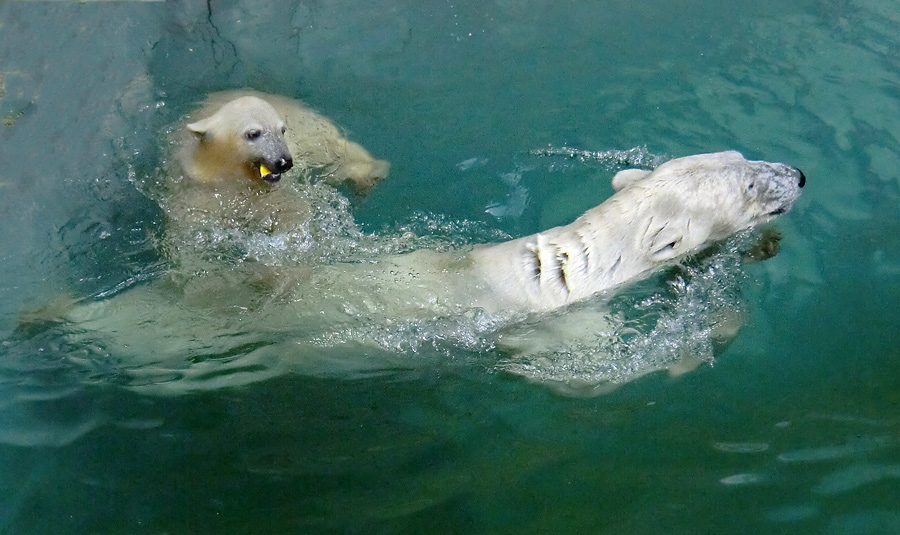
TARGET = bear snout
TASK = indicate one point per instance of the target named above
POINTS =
(271, 170)
(283, 164)
(802, 181)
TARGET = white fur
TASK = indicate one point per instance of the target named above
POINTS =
(653, 218)
(318, 148)
(651, 221)
(224, 148)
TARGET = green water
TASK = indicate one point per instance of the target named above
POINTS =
(794, 428)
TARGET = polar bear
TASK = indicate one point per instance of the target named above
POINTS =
(234, 149)
(257, 136)
(654, 219)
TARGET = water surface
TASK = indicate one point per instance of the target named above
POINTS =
(792, 428)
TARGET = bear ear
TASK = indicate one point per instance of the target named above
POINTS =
(627, 177)
(200, 127)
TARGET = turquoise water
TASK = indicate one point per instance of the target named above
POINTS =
(793, 428)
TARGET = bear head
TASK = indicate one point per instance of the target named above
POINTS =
(692, 201)
(244, 139)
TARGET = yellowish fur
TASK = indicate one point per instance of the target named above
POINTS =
(319, 149)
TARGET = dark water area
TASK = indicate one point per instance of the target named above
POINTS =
(499, 119)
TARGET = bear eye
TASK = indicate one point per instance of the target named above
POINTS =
(252, 134)
(750, 186)
(283, 130)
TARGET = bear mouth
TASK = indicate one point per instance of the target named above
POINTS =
(267, 175)
(783, 209)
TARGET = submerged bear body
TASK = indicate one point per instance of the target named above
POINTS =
(653, 219)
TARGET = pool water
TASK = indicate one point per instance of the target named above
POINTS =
(499, 119)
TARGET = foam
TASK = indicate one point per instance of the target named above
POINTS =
(673, 321)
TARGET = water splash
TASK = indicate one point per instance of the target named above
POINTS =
(237, 318)
(675, 321)
(633, 157)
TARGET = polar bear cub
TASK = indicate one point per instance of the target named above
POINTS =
(256, 136)
(233, 151)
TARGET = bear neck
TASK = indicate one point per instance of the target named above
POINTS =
(596, 253)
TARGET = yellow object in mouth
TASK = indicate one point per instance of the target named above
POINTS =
(263, 170)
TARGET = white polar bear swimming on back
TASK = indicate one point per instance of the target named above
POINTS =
(654, 218)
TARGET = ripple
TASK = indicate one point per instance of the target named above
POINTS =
(742, 479)
(829, 453)
(22, 428)
(853, 477)
(741, 447)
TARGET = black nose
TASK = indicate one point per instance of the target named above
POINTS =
(802, 177)
(283, 164)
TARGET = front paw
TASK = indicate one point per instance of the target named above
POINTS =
(766, 247)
